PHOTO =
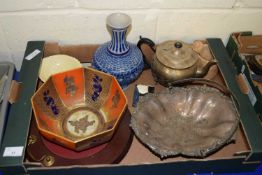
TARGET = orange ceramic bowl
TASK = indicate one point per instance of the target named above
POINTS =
(80, 108)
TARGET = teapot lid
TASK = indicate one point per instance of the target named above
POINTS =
(176, 54)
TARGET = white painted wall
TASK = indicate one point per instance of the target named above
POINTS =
(83, 21)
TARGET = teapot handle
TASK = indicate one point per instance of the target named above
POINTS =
(210, 83)
(151, 44)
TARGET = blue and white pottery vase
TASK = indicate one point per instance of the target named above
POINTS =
(118, 57)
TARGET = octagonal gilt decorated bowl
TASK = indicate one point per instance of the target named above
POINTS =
(80, 108)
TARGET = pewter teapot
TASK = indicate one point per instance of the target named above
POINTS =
(174, 60)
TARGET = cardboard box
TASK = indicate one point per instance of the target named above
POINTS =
(243, 155)
(240, 45)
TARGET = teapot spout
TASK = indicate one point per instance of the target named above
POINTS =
(202, 71)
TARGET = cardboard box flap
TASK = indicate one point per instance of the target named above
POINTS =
(250, 44)
(81, 52)
(12, 150)
(242, 68)
(181, 168)
(15, 91)
(251, 123)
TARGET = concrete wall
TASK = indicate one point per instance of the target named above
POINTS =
(83, 21)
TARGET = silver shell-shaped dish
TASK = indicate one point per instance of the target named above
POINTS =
(191, 121)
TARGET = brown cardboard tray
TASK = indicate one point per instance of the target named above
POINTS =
(138, 153)
(242, 155)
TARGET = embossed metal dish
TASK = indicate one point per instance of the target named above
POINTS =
(191, 121)
(80, 108)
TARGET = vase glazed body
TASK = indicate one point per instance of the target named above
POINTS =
(119, 57)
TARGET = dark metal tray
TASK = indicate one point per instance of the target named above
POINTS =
(7, 70)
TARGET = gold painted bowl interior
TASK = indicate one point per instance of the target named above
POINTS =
(80, 108)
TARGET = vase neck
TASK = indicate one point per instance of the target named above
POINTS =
(118, 44)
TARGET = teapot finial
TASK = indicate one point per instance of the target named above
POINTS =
(178, 45)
